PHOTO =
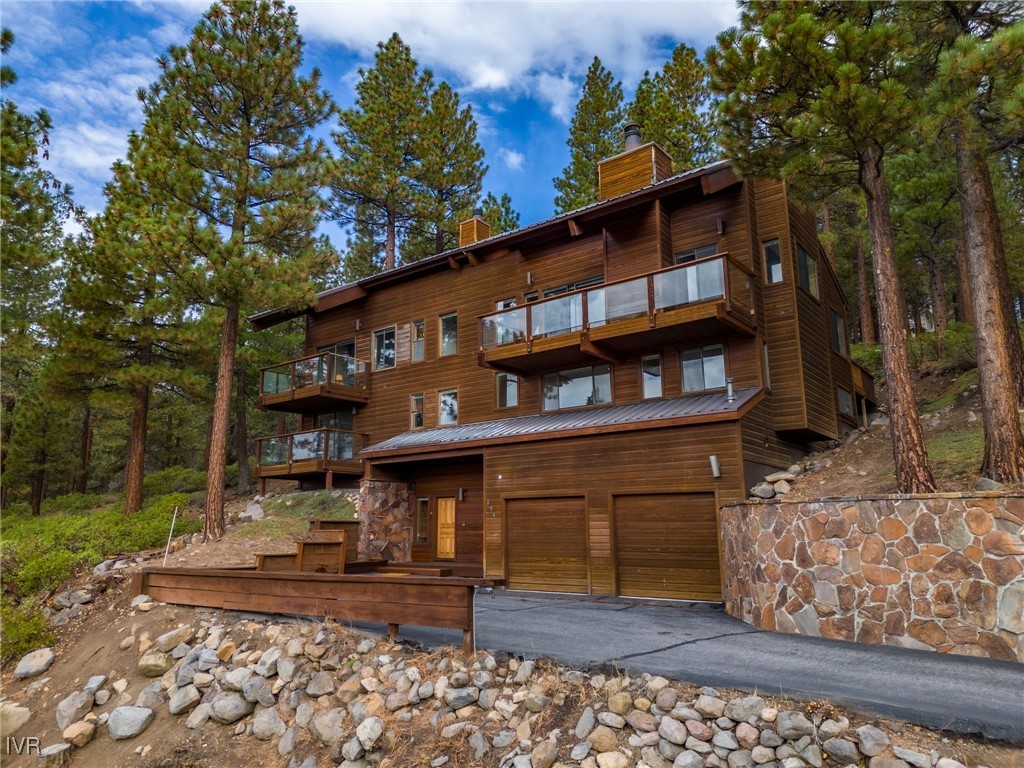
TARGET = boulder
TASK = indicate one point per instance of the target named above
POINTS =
(34, 663)
(184, 700)
(873, 741)
(155, 663)
(128, 722)
(168, 640)
(230, 707)
(744, 708)
(792, 725)
(73, 708)
(544, 754)
(12, 717)
(268, 724)
(369, 731)
(79, 734)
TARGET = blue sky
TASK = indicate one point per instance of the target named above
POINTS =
(520, 65)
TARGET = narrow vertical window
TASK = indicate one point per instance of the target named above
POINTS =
(384, 348)
(449, 334)
(448, 406)
(422, 520)
(772, 262)
(419, 340)
(838, 333)
(651, 372)
(508, 390)
(416, 411)
(807, 267)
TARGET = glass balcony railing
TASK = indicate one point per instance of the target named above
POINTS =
(324, 368)
(321, 445)
(660, 291)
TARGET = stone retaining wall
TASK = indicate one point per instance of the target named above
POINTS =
(935, 572)
(385, 516)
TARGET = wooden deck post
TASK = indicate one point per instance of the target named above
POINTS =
(263, 486)
(467, 642)
(330, 480)
(392, 631)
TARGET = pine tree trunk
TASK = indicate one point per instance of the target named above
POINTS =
(1004, 444)
(390, 240)
(963, 288)
(219, 424)
(937, 288)
(81, 481)
(241, 432)
(1016, 347)
(37, 488)
(913, 475)
(867, 320)
(135, 468)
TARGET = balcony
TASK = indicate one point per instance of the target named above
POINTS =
(315, 453)
(705, 299)
(314, 383)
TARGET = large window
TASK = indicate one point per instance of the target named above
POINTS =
(693, 254)
(419, 340)
(422, 520)
(559, 290)
(448, 406)
(416, 411)
(449, 334)
(838, 332)
(651, 371)
(577, 387)
(772, 262)
(384, 348)
(703, 368)
(807, 266)
(845, 402)
(508, 390)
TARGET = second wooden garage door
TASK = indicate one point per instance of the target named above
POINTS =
(547, 544)
(666, 545)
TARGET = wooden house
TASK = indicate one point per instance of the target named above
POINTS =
(566, 406)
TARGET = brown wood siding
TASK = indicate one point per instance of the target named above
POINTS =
(632, 243)
(666, 545)
(547, 544)
(435, 480)
(671, 460)
(695, 223)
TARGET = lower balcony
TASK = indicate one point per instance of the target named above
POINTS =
(313, 455)
(688, 303)
(314, 383)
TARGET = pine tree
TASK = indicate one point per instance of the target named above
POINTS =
(227, 137)
(672, 107)
(499, 214)
(824, 93)
(593, 136)
(378, 145)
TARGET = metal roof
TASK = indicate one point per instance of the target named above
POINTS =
(547, 425)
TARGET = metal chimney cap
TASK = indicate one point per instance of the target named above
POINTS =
(632, 132)
(478, 213)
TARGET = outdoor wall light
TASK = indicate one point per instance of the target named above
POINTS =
(716, 469)
(462, 494)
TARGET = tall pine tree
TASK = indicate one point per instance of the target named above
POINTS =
(499, 214)
(594, 135)
(227, 136)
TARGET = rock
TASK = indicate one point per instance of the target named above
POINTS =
(763, 491)
(603, 739)
(873, 741)
(841, 750)
(128, 722)
(155, 664)
(81, 597)
(777, 477)
(524, 673)
(226, 650)
(127, 643)
(369, 731)
(79, 734)
(287, 743)
(140, 599)
(478, 743)
(184, 700)
(792, 725)
(120, 686)
(1011, 608)
(782, 488)
(34, 663)
(948, 762)
(267, 665)
(55, 754)
(257, 689)
(890, 762)
(915, 759)
(12, 717)
(689, 759)
(329, 726)
(725, 740)
(585, 724)
(352, 749)
(168, 640)
(152, 696)
(94, 683)
(544, 754)
(988, 484)
(620, 703)
(580, 751)
(613, 760)
(642, 721)
(742, 758)
(747, 735)
(832, 728)
(268, 724)
(666, 699)
(672, 730)
(230, 707)
(762, 755)
(199, 716)
(253, 511)
(744, 708)
(456, 698)
(611, 720)
(73, 708)
(535, 702)
(709, 706)
(236, 678)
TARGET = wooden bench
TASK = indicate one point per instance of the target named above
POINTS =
(324, 553)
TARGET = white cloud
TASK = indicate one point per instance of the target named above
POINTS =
(513, 160)
(559, 92)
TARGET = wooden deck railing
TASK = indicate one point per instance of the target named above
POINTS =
(322, 368)
(324, 446)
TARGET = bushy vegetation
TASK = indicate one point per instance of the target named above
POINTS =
(22, 629)
(182, 480)
(320, 504)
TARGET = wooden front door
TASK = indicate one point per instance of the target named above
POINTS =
(446, 528)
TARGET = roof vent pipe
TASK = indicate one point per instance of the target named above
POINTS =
(730, 396)
(478, 213)
(632, 136)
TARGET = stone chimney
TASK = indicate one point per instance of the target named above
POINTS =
(637, 167)
(474, 229)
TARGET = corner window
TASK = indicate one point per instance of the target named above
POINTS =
(651, 372)
(416, 411)
(419, 340)
(807, 267)
(703, 368)
(577, 387)
(384, 348)
(422, 520)
(508, 390)
(448, 406)
(693, 254)
(845, 402)
(772, 262)
(449, 334)
(838, 332)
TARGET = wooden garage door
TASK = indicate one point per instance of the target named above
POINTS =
(666, 545)
(547, 544)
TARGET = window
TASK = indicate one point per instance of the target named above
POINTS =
(422, 520)
(508, 390)
(345, 348)
(335, 420)
(845, 402)
(577, 387)
(838, 333)
(448, 406)
(703, 368)
(767, 370)
(696, 253)
(651, 372)
(505, 303)
(807, 266)
(419, 339)
(772, 262)
(531, 296)
(449, 334)
(384, 348)
(416, 411)
(589, 282)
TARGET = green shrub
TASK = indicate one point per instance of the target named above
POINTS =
(173, 480)
(869, 356)
(307, 504)
(22, 629)
(71, 503)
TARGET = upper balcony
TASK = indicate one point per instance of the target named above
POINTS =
(688, 303)
(314, 383)
(313, 454)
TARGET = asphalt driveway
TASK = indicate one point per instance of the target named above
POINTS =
(701, 644)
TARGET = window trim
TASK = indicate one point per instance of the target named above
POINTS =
(804, 257)
(440, 394)
(661, 378)
(764, 262)
(373, 347)
(725, 368)
(498, 389)
(412, 341)
(440, 333)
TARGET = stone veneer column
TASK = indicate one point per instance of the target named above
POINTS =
(386, 521)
